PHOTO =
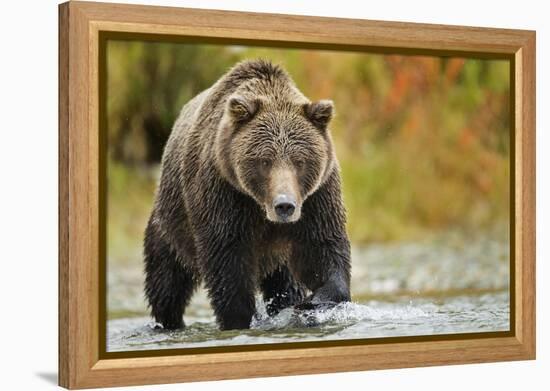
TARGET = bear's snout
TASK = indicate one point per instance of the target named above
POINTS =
(283, 203)
(284, 206)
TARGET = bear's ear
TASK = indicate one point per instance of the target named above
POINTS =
(242, 109)
(319, 113)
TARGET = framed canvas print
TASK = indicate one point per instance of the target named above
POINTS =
(247, 195)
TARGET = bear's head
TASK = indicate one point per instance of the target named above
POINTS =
(274, 145)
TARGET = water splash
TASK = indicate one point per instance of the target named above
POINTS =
(372, 319)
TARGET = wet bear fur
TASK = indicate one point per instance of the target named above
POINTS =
(248, 139)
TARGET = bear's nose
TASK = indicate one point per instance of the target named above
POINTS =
(284, 205)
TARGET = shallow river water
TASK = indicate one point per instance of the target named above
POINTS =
(444, 286)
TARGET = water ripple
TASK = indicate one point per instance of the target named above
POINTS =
(371, 319)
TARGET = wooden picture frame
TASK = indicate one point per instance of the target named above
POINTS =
(81, 28)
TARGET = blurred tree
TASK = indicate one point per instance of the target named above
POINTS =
(148, 83)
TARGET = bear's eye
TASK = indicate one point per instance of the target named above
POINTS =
(266, 163)
(300, 164)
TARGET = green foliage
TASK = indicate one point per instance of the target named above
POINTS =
(423, 142)
(147, 84)
(130, 193)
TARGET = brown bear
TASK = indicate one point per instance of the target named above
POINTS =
(249, 200)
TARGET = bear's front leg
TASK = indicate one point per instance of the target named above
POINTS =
(324, 267)
(230, 284)
(321, 257)
(334, 290)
